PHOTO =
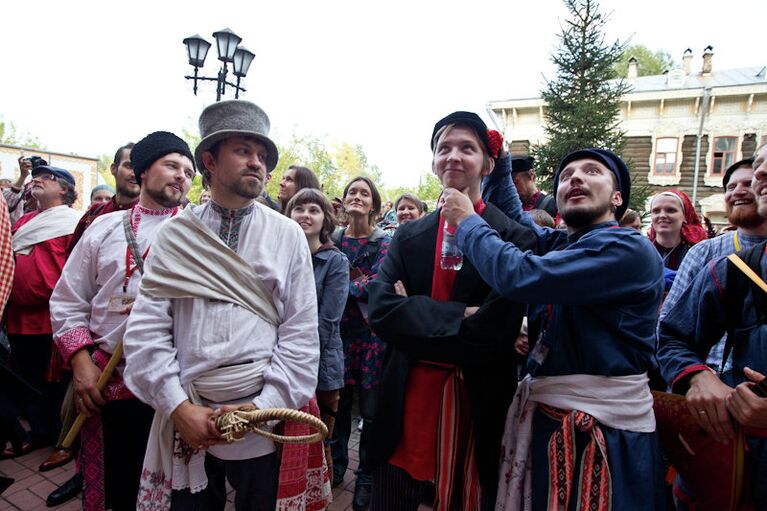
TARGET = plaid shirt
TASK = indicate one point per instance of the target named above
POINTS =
(698, 258)
(6, 255)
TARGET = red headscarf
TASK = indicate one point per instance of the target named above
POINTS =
(692, 230)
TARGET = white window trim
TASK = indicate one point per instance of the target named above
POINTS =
(710, 179)
(667, 180)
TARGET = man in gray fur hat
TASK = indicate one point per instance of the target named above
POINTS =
(225, 316)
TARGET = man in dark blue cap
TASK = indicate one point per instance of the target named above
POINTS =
(581, 425)
(39, 242)
(523, 174)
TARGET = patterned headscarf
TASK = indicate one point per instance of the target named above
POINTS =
(692, 229)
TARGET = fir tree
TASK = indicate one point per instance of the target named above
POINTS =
(583, 101)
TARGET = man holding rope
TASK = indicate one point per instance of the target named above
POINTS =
(89, 311)
(225, 317)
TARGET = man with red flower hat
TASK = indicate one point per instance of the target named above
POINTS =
(447, 343)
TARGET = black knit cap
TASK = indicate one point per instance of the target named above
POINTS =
(521, 163)
(465, 119)
(153, 147)
(735, 166)
(613, 162)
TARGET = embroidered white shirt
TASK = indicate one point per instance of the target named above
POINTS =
(171, 342)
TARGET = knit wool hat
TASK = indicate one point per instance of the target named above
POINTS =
(233, 118)
(612, 161)
(153, 147)
(469, 119)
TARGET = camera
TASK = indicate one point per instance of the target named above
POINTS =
(36, 161)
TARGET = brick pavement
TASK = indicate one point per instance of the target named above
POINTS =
(31, 487)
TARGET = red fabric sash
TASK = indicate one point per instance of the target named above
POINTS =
(304, 483)
(456, 476)
(595, 490)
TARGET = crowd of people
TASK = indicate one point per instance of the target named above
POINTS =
(512, 349)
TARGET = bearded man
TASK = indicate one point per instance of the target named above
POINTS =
(226, 316)
(703, 312)
(581, 423)
(89, 311)
(741, 208)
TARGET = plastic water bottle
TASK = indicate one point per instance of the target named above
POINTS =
(452, 257)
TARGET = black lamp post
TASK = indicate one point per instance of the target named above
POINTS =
(228, 52)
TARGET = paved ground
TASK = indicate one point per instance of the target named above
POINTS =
(31, 488)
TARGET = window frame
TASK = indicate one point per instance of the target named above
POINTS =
(713, 158)
(655, 155)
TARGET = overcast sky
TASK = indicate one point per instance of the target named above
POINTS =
(86, 77)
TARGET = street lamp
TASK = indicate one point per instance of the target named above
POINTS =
(228, 52)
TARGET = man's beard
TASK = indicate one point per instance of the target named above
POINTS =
(246, 188)
(129, 192)
(745, 216)
(579, 217)
(164, 197)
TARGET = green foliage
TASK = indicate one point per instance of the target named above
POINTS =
(104, 168)
(192, 138)
(429, 189)
(649, 62)
(582, 103)
(335, 165)
(12, 136)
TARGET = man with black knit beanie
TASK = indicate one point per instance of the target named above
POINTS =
(90, 307)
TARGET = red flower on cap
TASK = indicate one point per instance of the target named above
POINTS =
(494, 143)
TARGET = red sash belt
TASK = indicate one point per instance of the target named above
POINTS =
(595, 491)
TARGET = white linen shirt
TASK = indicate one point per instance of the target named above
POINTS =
(171, 342)
(95, 272)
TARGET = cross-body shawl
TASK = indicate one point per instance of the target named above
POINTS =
(176, 272)
(51, 223)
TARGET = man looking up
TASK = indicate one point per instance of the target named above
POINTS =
(125, 197)
(226, 315)
(40, 239)
(89, 310)
(523, 175)
(601, 287)
(447, 346)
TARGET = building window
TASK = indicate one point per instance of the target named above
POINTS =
(665, 156)
(724, 154)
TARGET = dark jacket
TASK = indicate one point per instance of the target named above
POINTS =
(331, 275)
(418, 327)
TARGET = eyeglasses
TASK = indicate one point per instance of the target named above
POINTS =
(46, 177)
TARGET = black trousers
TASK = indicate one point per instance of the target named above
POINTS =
(339, 445)
(254, 481)
(395, 490)
(125, 425)
(30, 355)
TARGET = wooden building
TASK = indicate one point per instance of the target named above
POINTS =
(662, 117)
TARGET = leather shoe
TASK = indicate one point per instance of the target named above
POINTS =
(361, 500)
(337, 479)
(57, 458)
(66, 491)
(11, 452)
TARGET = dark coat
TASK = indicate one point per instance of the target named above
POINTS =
(418, 327)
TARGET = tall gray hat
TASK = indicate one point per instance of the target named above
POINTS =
(235, 118)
